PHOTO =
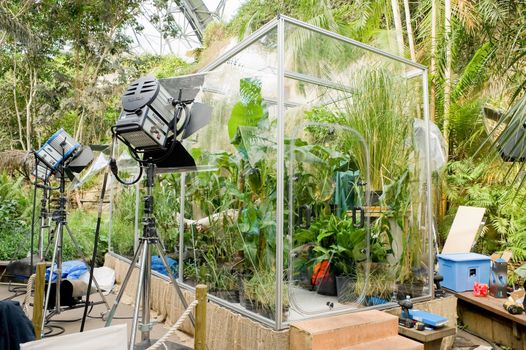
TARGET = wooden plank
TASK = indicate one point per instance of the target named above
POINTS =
(38, 299)
(464, 229)
(200, 317)
(426, 336)
(491, 304)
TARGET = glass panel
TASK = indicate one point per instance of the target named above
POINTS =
(331, 81)
(230, 208)
(329, 229)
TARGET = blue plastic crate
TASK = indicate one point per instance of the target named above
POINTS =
(462, 270)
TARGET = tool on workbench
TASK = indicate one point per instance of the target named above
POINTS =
(404, 319)
(420, 326)
(513, 308)
(409, 314)
(439, 292)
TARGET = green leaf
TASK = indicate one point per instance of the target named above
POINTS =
(249, 110)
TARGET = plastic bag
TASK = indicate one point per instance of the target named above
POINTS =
(105, 278)
(437, 144)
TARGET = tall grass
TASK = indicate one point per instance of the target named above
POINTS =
(381, 109)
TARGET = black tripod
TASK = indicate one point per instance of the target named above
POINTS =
(149, 238)
(57, 237)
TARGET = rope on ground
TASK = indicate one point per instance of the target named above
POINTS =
(174, 328)
(29, 290)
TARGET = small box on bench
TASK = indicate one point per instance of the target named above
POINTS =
(462, 270)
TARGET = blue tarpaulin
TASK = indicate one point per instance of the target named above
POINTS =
(71, 270)
(157, 265)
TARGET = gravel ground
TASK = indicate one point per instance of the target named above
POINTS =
(467, 341)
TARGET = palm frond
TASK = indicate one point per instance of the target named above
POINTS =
(475, 71)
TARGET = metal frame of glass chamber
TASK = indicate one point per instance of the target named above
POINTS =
(279, 24)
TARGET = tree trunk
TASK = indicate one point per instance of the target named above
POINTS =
(409, 31)
(78, 133)
(447, 70)
(29, 102)
(17, 111)
(398, 27)
(432, 66)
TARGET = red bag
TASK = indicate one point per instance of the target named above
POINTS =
(320, 272)
(480, 289)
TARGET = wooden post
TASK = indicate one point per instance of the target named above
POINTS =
(200, 317)
(38, 299)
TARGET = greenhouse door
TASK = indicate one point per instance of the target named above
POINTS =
(328, 225)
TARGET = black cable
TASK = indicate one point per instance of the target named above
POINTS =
(113, 162)
(103, 317)
(71, 320)
(50, 333)
(33, 217)
(95, 246)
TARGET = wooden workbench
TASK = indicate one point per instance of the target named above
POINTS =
(432, 339)
(486, 317)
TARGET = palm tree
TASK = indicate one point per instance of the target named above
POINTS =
(447, 69)
(409, 28)
(398, 27)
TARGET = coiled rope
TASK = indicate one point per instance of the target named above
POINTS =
(174, 328)
(29, 290)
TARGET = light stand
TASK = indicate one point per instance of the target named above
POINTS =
(43, 220)
(157, 116)
(29, 269)
(149, 238)
(57, 235)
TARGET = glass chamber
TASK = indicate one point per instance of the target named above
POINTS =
(313, 190)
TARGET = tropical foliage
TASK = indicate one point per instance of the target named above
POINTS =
(66, 63)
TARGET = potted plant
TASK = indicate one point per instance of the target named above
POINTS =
(334, 244)
(221, 281)
(262, 288)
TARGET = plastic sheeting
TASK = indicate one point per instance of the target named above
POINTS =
(437, 144)
(71, 270)
(157, 265)
(105, 278)
(114, 337)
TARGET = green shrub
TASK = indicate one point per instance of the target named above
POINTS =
(15, 214)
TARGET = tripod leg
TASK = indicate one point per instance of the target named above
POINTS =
(51, 237)
(142, 272)
(48, 293)
(123, 286)
(79, 252)
(160, 250)
(146, 287)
